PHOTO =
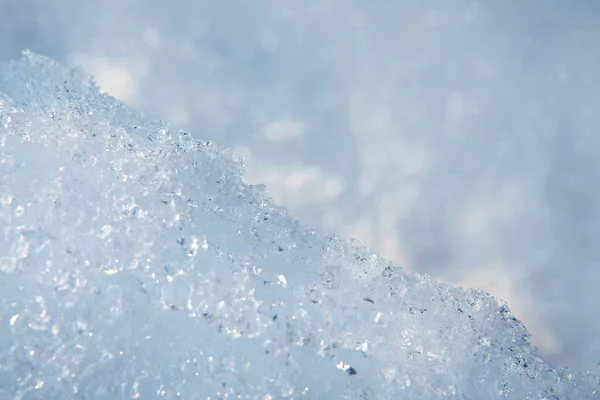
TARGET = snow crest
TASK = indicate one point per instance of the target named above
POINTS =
(135, 263)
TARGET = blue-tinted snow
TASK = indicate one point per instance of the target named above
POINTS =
(135, 263)
(457, 138)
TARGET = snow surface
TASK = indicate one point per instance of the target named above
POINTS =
(457, 138)
(135, 263)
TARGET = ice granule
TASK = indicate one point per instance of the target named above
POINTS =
(135, 263)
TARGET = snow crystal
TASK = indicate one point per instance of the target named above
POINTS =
(135, 263)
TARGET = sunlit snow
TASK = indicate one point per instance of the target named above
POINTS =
(135, 263)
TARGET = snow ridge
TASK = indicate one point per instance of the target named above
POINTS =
(135, 263)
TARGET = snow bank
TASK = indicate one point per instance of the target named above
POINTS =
(135, 263)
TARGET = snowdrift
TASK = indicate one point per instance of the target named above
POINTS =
(135, 263)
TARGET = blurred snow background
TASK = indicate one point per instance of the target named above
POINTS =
(456, 139)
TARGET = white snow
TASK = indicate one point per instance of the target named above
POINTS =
(135, 263)
(457, 138)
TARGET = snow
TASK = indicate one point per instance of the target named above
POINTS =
(457, 138)
(136, 263)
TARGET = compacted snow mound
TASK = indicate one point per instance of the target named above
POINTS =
(135, 263)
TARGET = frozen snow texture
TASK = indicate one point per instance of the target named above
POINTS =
(135, 263)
